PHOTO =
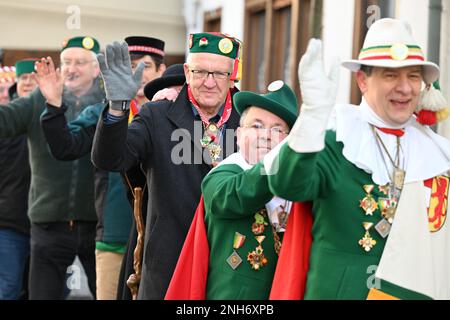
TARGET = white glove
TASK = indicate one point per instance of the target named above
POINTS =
(319, 94)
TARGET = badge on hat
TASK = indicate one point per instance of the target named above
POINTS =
(88, 43)
(203, 42)
(399, 51)
(225, 46)
(275, 86)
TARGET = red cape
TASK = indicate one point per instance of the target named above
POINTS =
(191, 273)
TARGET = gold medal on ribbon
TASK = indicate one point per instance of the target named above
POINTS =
(257, 258)
(234, 260)
(368, 204)
(367, 242)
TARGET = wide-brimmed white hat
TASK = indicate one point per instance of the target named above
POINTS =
(389, 43)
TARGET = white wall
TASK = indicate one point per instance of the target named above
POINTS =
(416, 13)
(338, 17)
(232, 21)
(444, 128)
(42, 24)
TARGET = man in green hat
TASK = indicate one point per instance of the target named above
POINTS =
(14, 186)
(25, 83)
(61, 206)
(176, 141)
(244, 225)
(74, 140)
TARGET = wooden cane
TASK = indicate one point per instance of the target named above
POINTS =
(135, 278)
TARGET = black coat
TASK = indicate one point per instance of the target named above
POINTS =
(174, 189)
(14, 184)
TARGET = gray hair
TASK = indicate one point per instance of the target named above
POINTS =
(190, 54)
(93, 54)
(243, 115)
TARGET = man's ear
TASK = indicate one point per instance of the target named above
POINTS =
(96, 70)
(161, 69)
(361, 80)
(238, 135)
(186, 72)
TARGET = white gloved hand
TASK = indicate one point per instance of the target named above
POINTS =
(319, 94)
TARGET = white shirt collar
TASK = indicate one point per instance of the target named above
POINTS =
(425, 154)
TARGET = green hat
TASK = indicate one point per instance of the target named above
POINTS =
(25, 66)
(214, 42)
(87, 43)
(280, 100)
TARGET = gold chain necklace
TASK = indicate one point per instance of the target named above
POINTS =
(398, 177)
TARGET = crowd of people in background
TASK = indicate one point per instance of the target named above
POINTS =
(167, 182)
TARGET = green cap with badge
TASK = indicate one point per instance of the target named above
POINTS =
(87, 43)
(214, 42)
(279, 100)
(218, 43)
(25, 66)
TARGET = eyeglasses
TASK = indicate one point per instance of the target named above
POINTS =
(203, 74)
(76, 63)
(258, 126)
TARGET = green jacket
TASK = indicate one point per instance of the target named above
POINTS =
(68, 141)
(339, 267)
(60, 191)
(232, 196)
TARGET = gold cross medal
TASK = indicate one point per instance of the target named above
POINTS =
(234, 260)
(368, 204)
(257, 258)
(367, 242)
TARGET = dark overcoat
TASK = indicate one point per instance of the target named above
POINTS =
(165, 138)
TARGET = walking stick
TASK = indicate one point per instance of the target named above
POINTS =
(135, 278)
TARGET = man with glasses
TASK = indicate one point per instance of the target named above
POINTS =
(61, 207)
(177, 142)
(244, 225)
(74, 140)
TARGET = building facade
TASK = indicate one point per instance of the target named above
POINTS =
(276, 32)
